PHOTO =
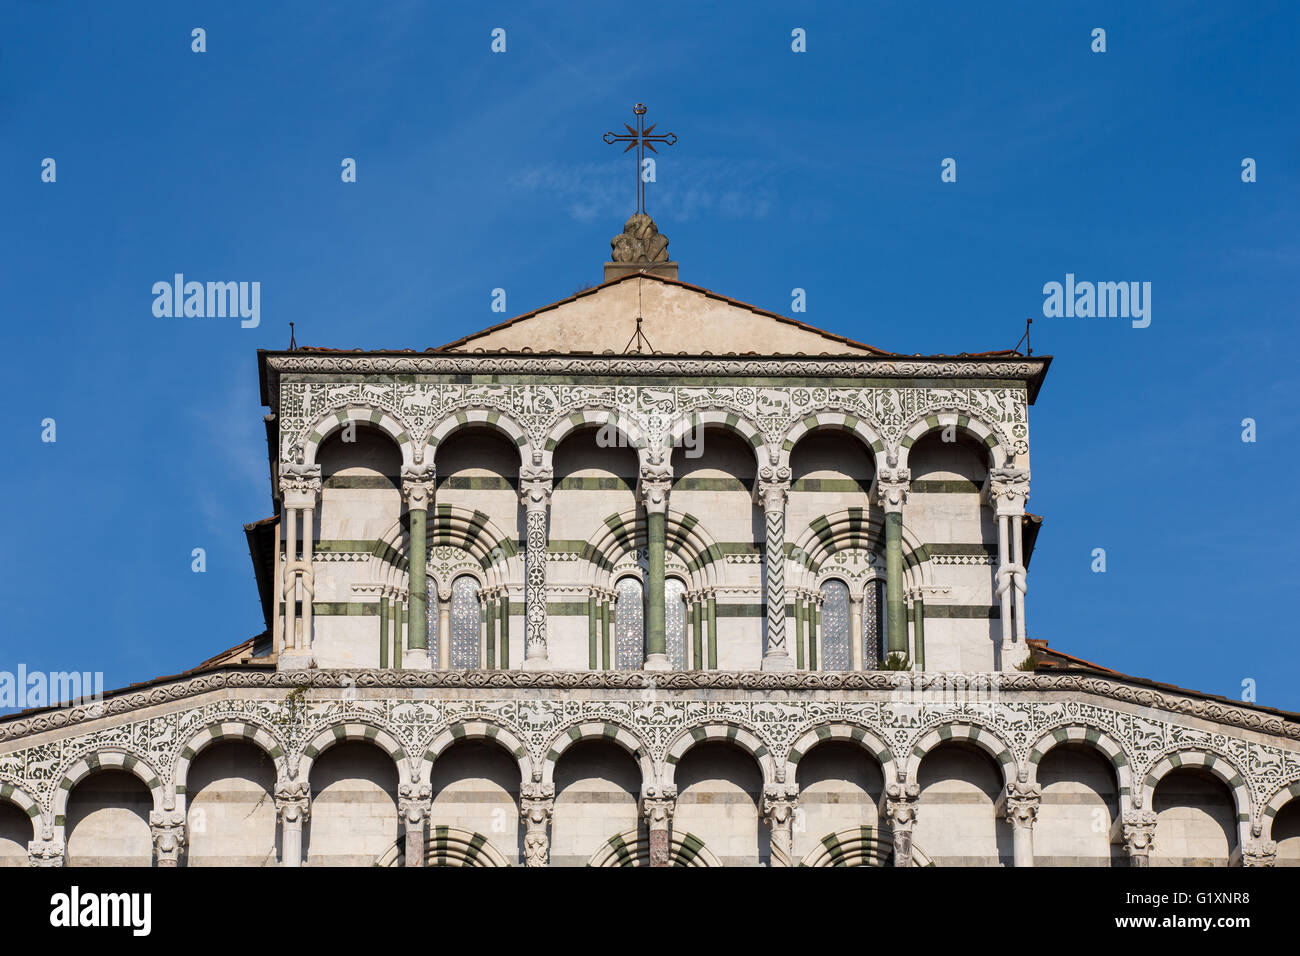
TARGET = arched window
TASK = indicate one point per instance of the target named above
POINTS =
(835, 625)
(431, 615)
(675, 623)
(873, 623)
(629, 625)
(465, 618)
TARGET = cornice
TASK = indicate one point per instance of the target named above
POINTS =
(1265, 722)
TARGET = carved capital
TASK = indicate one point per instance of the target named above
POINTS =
(1139, 827)
(418, 482)
(1008, 490)
(900, 804)
(773, 487)
(414, 802)
(1022, 802)
(535, 487)
(657, 806)
(46, 852)
(891, 488)
(293, 802)
(1259, 853)
(168, 830)
(780, 800)
(656, 480)
(300, 486)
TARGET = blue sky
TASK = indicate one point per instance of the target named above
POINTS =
(818, 170)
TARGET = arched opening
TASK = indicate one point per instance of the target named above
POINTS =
(477, 469)
(675, 636)
(353, 806)
(1080, 804)
(629, 624)
(839, 787)
(956, 822)
(1195, 820)
(719, 787)
(595, 476)
(1286, 833)
(15, 832)
(830, 471)
(713, 484)
(945, 506)
(836, 637)
(466, 623)
(475, 785)
(597, 786)
(108, 821)
(230, 807)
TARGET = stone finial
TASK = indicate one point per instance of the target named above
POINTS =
(640, 247)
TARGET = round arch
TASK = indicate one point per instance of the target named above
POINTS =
(364, 415)
(976, 734)
(352, 731)
(1273, 806)
(110, 759)
(746, 739)
(851, 733)
(968, 422)
(631, 433)
(723, 418)
(1094, 739)
(473, 730)
(598, 730)
(243, 730)
(865, 431)
(630, 848)
(1216, 764)
(12, 793)
(449, 846)
(472, 416)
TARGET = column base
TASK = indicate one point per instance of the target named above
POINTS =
(295, 661)
(657, 662)
(536, 664)
(777, 661)
(417, 659)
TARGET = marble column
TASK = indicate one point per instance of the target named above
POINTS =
(1139, 828)
(536, 805)
(414, 804)
(443, 597)
(901, 802)
(657, 806)
(292, 808)
(780, 803)
(1008, 489)
(1021, 804)
(535, 492)
(418, 490)
(299, 494)
(773, 490)
(891, 492)
(855, 632)
(656, 479)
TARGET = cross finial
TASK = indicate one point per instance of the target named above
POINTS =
(641, 138)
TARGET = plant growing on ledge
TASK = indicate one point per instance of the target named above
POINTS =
(1030, 663)
(896, 661)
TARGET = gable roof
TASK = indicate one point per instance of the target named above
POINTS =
(678, 319)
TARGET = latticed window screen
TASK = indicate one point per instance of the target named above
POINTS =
(629, 625)
(431, 615)
(465, 620)
(873, 623)
(835, 626)
(675, 623)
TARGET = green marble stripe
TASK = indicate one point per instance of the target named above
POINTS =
(363, 481)
(739, 610)
(944, 486)
(838, 485)
(601, 483)
(712, 484)
(566, 608)
(478, 483)
(345, 608)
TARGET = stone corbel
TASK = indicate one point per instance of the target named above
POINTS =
(892, 486)
(656, 479)
(772, 489)
(300, 486)
(1007, 490)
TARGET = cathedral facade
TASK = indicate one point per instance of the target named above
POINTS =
(649, 577)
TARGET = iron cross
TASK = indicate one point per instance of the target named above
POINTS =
(642, 139)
